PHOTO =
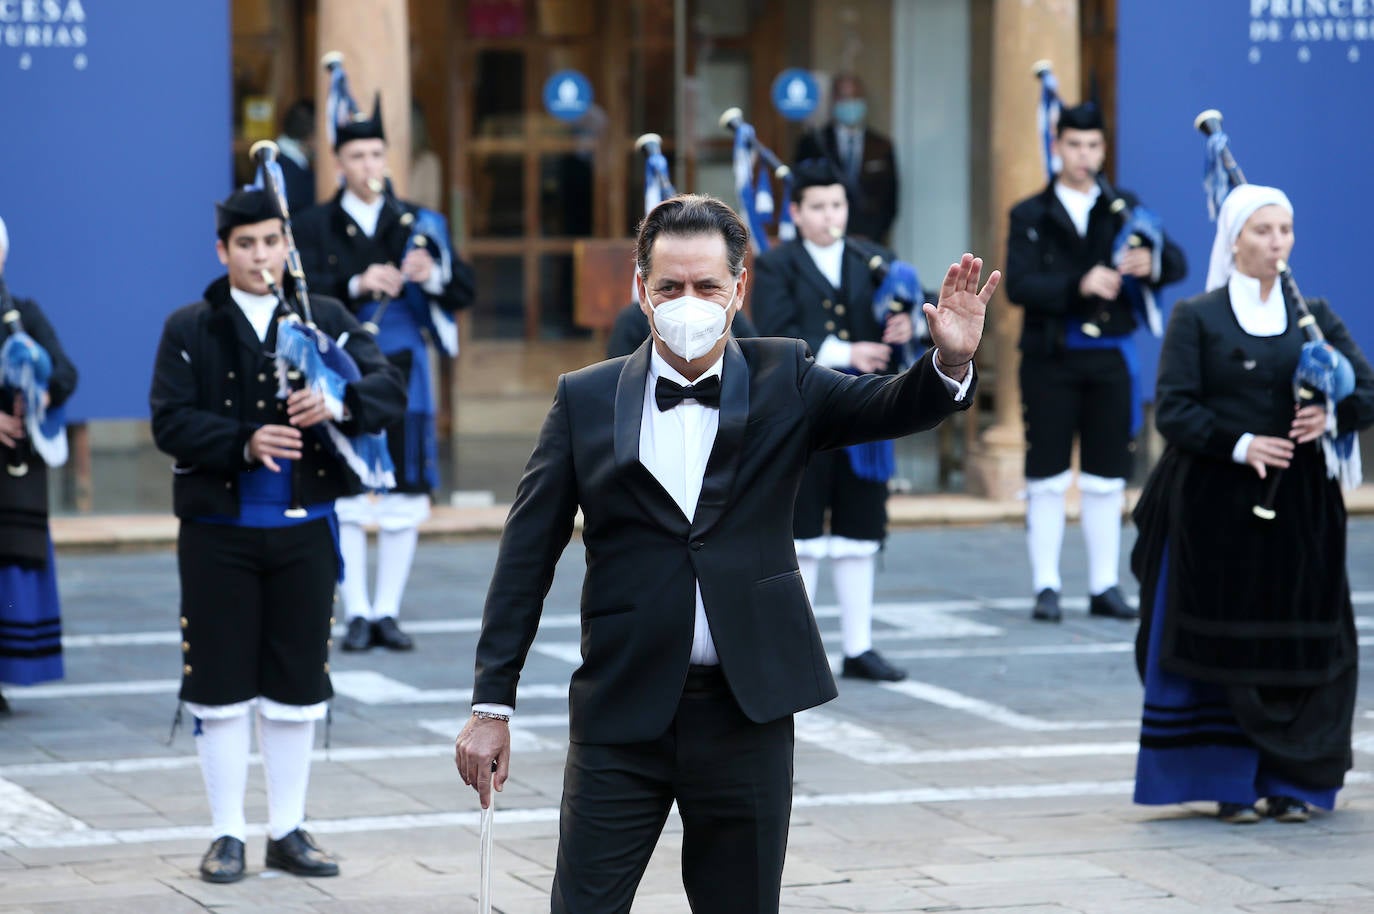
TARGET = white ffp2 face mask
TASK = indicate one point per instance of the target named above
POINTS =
(690, 326)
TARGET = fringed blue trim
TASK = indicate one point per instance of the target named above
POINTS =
(1216, 183)
(340, 107)
(658, 186)
(744, 186)
(1047, 118)
(328, 369)
(1325, 368)
(26, 366)
(1150, 228)
(875, 461)
(902, 283)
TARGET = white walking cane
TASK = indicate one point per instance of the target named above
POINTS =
(484, 842)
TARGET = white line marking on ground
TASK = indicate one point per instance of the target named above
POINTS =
(195, 834)
(22, 813)
(957, 701)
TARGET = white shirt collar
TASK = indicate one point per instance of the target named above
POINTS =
(1267, 317)
(258, 309)
(1078, 203)
(365, 214)
(659, 367)
(829, 259)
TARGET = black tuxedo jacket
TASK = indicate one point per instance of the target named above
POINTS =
(873, 196)
(334, 249)
(1046, 259)
(643, 555)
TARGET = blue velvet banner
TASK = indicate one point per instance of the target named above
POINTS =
(1292, 79)
(116, 142)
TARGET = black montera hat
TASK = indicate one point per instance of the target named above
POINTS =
(361, 128)
(813, 173)
(245, 207)
(1086, 116)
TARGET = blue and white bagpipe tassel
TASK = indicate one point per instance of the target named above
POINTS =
(787, 229)
(340, 108)
(658, 185)
(430, 230)
(1216, 180)
(26, 367)
(903, 284)
(1143, 227)
(745, 188)
(1323, 367)
(1047, 116)
(328, 369)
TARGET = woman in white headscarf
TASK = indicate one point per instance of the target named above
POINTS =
(1247, 642)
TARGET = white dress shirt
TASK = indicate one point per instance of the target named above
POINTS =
(833, 352)
(257, 308)
(1267, 317)
(674, 446)
(1078, 203)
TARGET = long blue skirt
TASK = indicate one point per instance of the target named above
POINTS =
(30, 624)
(1191, 747)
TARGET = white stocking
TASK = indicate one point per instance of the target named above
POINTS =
(285, 746)
(395, 552)
(353, 546)
(1102, 503)
(854, 589)
(223, 745)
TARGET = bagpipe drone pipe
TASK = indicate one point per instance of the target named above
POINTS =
(308, 358)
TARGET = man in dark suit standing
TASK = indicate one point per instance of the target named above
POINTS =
(862, 157)
(698, 643)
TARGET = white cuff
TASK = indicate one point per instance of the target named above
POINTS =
(355, 286)
(493, 708)
(834, 353)
(1242, 446)
(957, 389)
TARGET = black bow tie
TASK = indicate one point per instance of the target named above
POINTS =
(668, 394)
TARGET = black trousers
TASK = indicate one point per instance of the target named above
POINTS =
(857, 507)
(255, 612)
(732, 780)
(1084, 392)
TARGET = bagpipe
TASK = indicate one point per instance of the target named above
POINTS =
(897, 290)
(428, 230)
(658, 183)
(755, 193)
(25, 368)
(1323, 375)
(1137, 227)
(308, 358)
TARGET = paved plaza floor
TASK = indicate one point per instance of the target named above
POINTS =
(997, 778)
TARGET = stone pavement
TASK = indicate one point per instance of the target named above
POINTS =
(996, 779)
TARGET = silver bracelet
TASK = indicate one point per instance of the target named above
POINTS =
(492, 715)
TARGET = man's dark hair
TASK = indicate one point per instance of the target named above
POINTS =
(813, 173)
(299, 120)
(692, 214)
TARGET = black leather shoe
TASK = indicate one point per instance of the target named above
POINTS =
(1287, 809)
(1237, 814)
(359, 637)
(871, 665)
(1112, 604)
(1047, 606)
(387, 634)
(223, 862)
(297, 853)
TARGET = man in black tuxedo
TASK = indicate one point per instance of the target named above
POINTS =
(698, 643)
(862, 157)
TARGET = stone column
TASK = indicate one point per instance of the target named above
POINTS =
(1022, 33)
(374, 37)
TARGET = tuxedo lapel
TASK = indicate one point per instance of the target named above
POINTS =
(723, 463)
(628, 418)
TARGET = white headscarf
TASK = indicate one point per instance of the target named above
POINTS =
(1239, 206)
(4, 237)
